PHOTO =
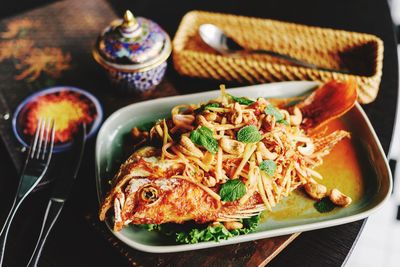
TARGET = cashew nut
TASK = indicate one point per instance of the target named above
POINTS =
(231, 146)
(307, 150)
(315, 190)
(209, 181)
(265, 153)
(339, 199)
(233, 225)
(237, 116)
(191, 147)
(210, 116)
(182, 119)
(297, 117)
(286, 114)
(201, 120)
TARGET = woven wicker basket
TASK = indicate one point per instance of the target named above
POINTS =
(360, 54)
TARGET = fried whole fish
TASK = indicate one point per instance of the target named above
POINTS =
(150, 189)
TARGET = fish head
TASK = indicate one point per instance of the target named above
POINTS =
(164, 200)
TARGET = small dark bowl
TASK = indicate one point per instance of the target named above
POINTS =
(21, 111)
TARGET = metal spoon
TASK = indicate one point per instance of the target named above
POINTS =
(218, 40)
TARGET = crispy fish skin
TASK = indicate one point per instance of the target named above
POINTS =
(176, 200)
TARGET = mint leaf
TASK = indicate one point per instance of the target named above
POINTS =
(146, 127)
(203, 136)
(211, 105)
(283, 122)
(232, 190)
(269, 166)
(205, 131)
(324, 205)
(242, 100)
(249, 134)
(206, 107)
(273, 111)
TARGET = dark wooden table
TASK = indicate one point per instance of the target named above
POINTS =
(74, 243)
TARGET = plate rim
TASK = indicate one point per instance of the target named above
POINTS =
(251, 236)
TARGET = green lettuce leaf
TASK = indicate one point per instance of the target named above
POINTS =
(191, 233)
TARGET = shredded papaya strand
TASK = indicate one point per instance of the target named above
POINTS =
(175, 110)
(267, 187)
(251, 183)
(314, 173)
(198, 162)
(180, 155)
(288, 185)
(261, 190)
(223, 121)
(219, 165)
(248, 151)
(165, 138)
(227, 126)
(165, 151)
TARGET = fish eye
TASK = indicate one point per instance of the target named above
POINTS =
(149, 194)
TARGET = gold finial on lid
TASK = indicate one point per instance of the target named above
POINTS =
(129, 20)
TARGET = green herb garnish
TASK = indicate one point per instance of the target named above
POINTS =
(249, 134)
(232, 190)
(324, 205)
(191, 233)
(211, 105)
(217, 233)
(242, 100)
(273, 111)
(146, 127)
(203, 136)
(206, 107)
(268, 166)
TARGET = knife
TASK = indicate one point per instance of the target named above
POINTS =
(62, 187)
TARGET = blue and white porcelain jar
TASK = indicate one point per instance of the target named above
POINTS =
(134, 52)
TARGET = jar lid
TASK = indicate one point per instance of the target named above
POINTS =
(133, 42)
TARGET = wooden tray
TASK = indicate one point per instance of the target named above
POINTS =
(255, 253)
(360, 54)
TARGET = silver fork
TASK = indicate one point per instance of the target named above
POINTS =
(35, 167)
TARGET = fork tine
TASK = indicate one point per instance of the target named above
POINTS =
(53, 131)
(46, 140)
(41, 138)
(32, 148)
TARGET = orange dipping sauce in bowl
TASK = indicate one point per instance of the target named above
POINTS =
(67, 106)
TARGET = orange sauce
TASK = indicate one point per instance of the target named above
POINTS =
(67, 108)
(341, 169)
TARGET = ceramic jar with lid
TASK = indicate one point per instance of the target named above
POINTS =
(134, 52)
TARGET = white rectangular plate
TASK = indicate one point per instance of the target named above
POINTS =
(109, 155)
